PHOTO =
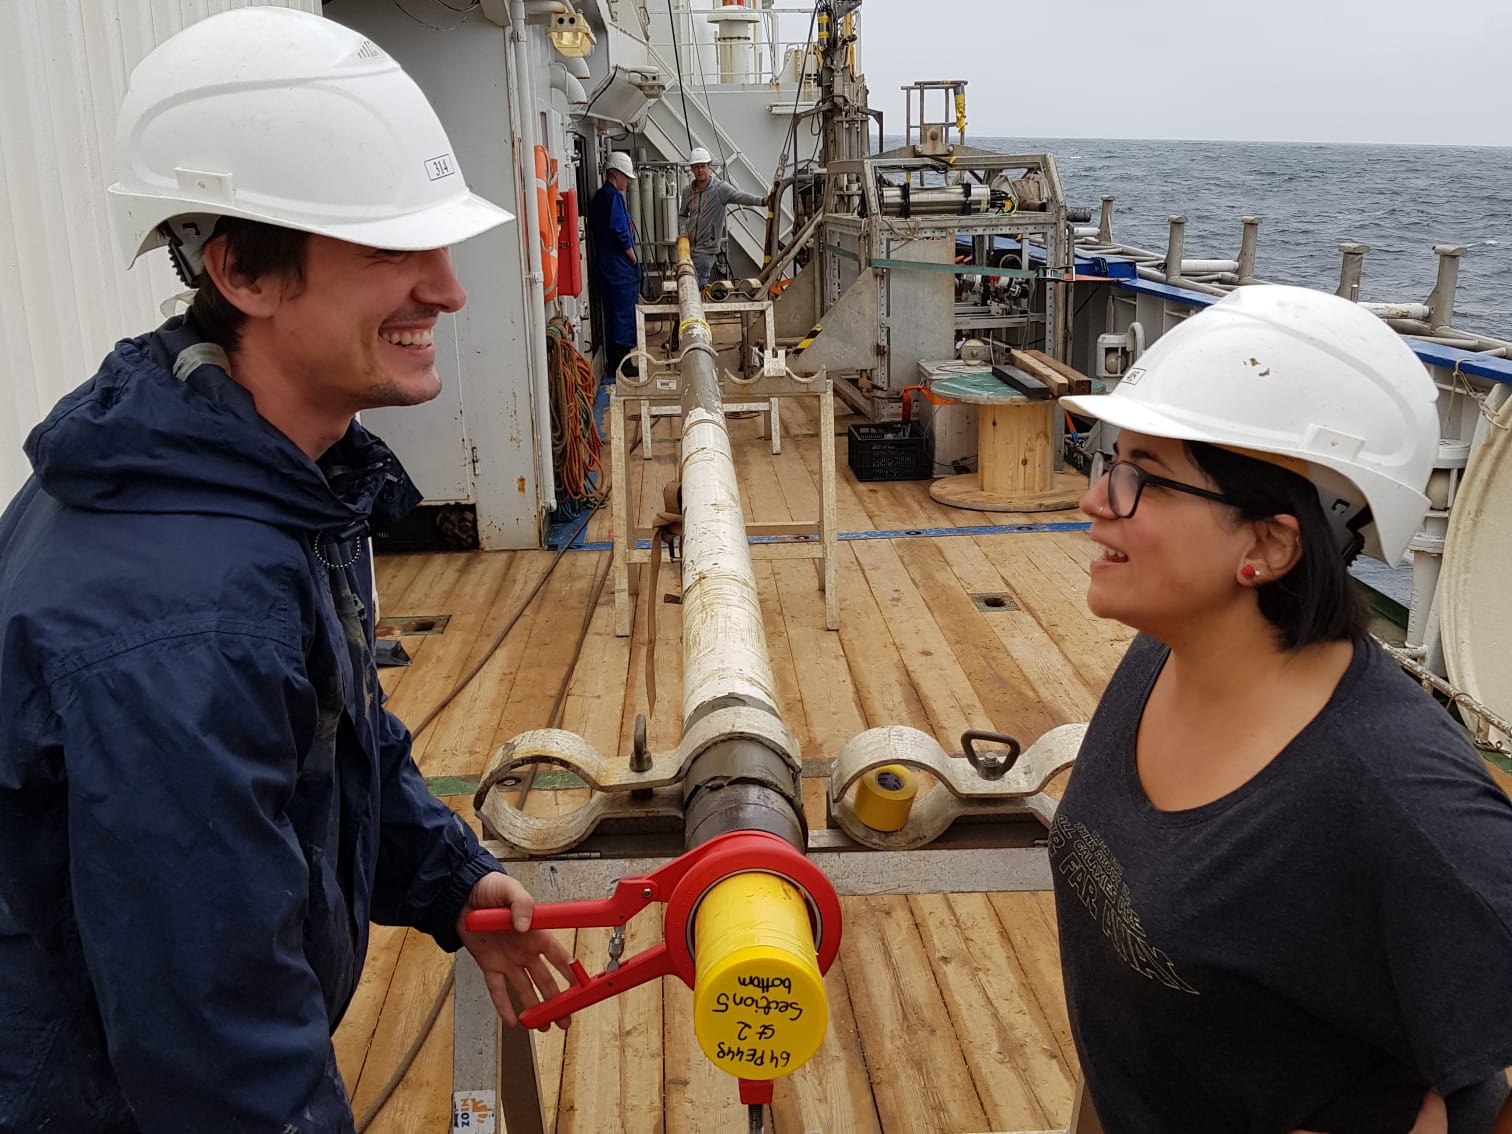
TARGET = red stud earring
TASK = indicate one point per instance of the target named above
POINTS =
(1248, 571)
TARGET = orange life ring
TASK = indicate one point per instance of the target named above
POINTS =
(548, 203)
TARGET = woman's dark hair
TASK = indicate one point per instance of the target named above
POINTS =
(254, 249)
(1315, 601)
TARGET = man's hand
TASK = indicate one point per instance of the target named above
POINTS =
(630, 255)
(513, 960)
(770, 199)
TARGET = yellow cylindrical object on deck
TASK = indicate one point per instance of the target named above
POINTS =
(885, 796)
(759, 1008)
(960, 101)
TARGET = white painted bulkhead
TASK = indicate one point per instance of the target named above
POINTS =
(65, 294)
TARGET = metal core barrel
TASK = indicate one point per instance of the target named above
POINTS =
(759, 1004)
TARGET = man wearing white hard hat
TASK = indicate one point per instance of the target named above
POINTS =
(614, 265)
(203, 803)
(703, 210)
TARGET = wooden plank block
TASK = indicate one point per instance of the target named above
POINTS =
(1038, 363)
(1021, 380)
(912, 1053)
(1009, 1046)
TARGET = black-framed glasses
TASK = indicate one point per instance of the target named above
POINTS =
(1126, 483)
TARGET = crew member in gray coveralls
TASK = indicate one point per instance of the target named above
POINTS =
(702, 210)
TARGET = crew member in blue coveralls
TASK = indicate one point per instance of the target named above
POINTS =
(203, 802)
(615, 264)
(1281, 872)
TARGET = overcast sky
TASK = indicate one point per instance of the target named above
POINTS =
(1416, 71)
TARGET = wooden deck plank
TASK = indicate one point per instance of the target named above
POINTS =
(881, 681)
(596, 697)
(982, 565)
(832, 1092)
(1029, 920)
(612, 1083)
(459, 741)
(913, 1054)
(942, 685)
(1012, 704)
(1009, 1045)
(448, 655)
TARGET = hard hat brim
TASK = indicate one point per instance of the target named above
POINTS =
(1125, 413)
(438, 226)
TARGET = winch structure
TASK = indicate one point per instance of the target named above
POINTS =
(911, 250)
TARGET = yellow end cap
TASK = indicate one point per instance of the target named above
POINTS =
(759, 1008)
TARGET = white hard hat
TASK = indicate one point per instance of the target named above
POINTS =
(699, 156)
(621, 161)
(288, 118)
(1303, 375)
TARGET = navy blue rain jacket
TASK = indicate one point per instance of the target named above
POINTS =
(203, 802)
(619, 279)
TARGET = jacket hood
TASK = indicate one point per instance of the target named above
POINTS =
(162, 428)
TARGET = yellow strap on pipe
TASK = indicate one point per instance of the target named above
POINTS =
(759, 1009)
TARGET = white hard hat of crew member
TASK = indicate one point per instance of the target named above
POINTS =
(331, 137)
(699, 156)
(620, 161)
(1303, 379)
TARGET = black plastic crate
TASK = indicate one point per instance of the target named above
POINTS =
(889, 450)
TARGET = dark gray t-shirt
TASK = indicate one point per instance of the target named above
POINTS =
(1312, 950)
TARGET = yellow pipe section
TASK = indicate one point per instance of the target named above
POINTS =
(960, 105)
(759, 1009)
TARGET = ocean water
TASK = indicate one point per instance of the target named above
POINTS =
(1400, 200)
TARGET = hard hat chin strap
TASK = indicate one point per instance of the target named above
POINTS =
(186, 236)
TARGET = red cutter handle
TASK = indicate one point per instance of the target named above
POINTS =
(653, 963)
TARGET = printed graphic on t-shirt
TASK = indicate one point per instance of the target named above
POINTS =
(1096, 877)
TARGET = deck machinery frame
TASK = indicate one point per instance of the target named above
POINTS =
(885, 290)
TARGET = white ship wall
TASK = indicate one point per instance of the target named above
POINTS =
(65, 297)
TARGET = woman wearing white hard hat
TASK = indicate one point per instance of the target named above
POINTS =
(1282, 880)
